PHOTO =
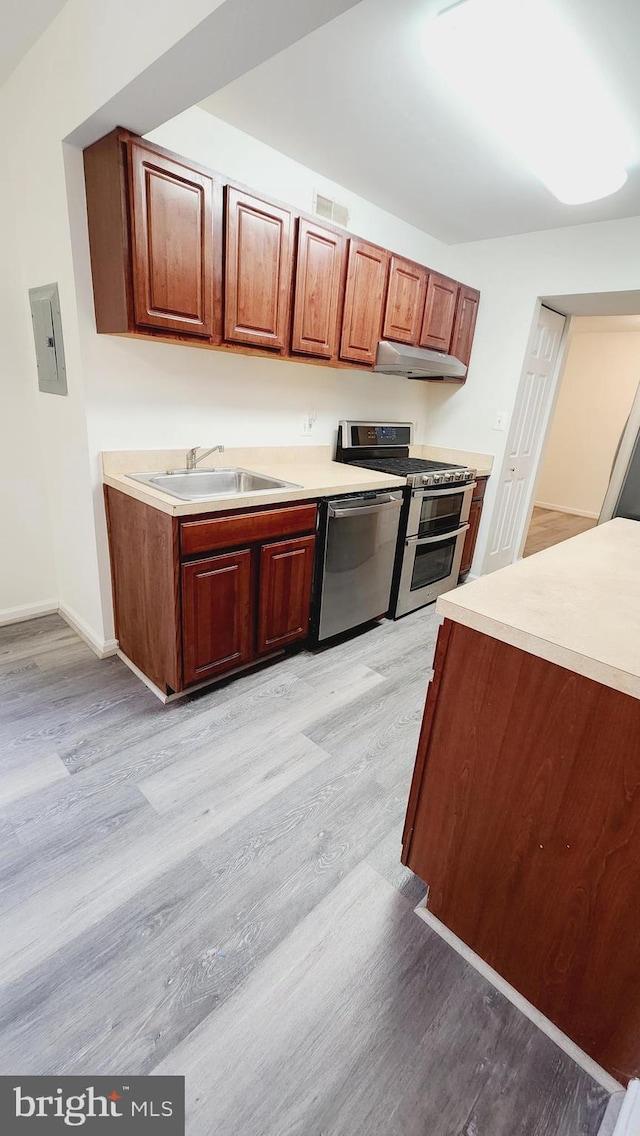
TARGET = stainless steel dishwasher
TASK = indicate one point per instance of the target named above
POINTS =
(358, 537)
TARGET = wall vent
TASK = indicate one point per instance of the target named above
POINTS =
(330, 210)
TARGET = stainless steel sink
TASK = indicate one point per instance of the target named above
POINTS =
(202, 484)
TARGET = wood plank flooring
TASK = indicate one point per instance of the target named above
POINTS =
(213, 888)
(548, 527)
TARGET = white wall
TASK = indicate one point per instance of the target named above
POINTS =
(511, 273)
(27, 571)
(597, 388)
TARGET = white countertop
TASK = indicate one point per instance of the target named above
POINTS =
(576, 604)
(482, 463)
(310, 467)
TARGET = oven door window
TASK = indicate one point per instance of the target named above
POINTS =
(433, 562)
(440, 514)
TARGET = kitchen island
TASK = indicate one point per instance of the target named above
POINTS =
(524, 812)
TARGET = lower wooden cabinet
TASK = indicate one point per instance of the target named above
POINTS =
(239, 605)
(196, 598)
(286, 575)
(475, 513)
(217, 610)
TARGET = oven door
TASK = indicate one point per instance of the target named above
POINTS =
(435, 512)
(430, 566)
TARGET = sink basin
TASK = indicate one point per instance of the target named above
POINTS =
(201, 484)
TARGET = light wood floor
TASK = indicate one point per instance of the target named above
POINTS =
(549, 527)
(213, 889)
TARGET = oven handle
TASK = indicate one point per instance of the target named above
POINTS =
(432, 491)
(418, 540)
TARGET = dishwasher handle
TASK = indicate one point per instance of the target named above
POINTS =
(378, 505)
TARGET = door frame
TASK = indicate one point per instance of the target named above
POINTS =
(541, 440)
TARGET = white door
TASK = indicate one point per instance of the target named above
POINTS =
(524, 443)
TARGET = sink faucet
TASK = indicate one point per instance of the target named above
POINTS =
(193, 459)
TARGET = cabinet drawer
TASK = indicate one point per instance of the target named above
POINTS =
(245, 528)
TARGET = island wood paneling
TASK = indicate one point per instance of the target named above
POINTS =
(524, 820)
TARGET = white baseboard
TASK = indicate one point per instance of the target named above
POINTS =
(27, 611)
(561, 1040)
(147, 681)
(611, 1118)
(628, 1119)
(566, 509)
(103, 648)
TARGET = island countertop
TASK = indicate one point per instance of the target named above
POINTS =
(576, 604)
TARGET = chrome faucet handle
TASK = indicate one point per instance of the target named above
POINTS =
(192, 455)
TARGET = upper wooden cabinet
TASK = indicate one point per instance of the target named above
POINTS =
(439, 312)
(171, 259)
(172, 228)
(405, 301)
(364, 294)
(259, 250)
(319, 280)
(465, 323)
(155, 235)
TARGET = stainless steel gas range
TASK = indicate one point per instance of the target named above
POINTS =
(433, 523)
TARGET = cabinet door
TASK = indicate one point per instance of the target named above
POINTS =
(258, 271)
(216, 615)
(475, 512)
(319, 272)
(286, 574)
(176, 222)
(439, 312)
(465, 323)
(405, 301)
(362, 320)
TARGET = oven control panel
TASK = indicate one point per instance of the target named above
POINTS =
(444, 477)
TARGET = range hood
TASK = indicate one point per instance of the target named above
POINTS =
(417, 362)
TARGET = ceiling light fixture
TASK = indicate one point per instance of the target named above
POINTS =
(523, 70)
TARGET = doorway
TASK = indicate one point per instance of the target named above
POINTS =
(596, 390)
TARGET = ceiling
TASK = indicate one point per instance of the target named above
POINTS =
(21, 24)
(625, 305)
(355, 101)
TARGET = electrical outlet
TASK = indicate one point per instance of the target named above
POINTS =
(308, 423)
(501, 419)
